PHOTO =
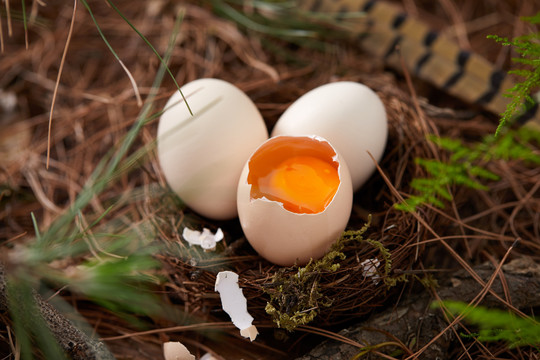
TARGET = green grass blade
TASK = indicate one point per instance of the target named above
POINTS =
(107, 170)
(25, 23)
(36, 227)
(243, 20)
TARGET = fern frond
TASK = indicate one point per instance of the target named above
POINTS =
(466, 165)
(479, 171)
(528, 48)
(497, 325)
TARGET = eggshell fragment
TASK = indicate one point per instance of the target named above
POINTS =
(202, 155)
(174, 350)
(235, 304)
(349, 115)
(204, 238)
(208, 356)
(286, 237)
(369, 269)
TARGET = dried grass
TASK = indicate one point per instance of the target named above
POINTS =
(96, 105)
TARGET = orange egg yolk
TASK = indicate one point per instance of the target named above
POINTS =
(301, 175)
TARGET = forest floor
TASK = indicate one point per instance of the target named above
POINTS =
(59, 231)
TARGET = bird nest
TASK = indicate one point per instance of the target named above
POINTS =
(378, 251)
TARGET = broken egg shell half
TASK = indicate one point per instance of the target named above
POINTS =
(289, 236)
(202, 156)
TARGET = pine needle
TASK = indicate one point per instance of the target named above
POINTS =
(8, 15)
(56, 85)
(132, 80)
(153, 49)
(25, 24)
(1, 37)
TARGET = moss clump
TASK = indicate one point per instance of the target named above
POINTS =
(296, 296)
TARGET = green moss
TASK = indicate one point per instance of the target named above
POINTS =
(428, 281)
(296, 294)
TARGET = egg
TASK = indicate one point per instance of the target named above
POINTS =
(294, 198)
(202, 156)
(349, 115)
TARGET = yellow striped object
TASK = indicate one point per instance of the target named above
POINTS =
(427, 54)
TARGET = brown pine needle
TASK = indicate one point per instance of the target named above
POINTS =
(181, 328)
(452, 252)
(133, 83)
(68, 40)
(473, 303)
(474, 226)
(1, 37)
(25, 30)
(8, 15)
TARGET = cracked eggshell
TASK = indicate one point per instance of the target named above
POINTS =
(349, 115)
(284, 237)
(202, 155)
(174, 350)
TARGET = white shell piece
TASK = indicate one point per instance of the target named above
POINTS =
(234, 303)
(369, 269)
(250, 332)
(174, 350)
(8, 101)
(204, 239)
(208, 356)
(349, 115)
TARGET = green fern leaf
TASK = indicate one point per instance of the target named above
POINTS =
(497, 325)
(479, 171)
(466, 165)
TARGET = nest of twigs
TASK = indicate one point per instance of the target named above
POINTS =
(192, 272)
(95, 106)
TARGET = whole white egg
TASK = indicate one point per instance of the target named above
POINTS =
(294, 199)
(202, 155)
(349, 115)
